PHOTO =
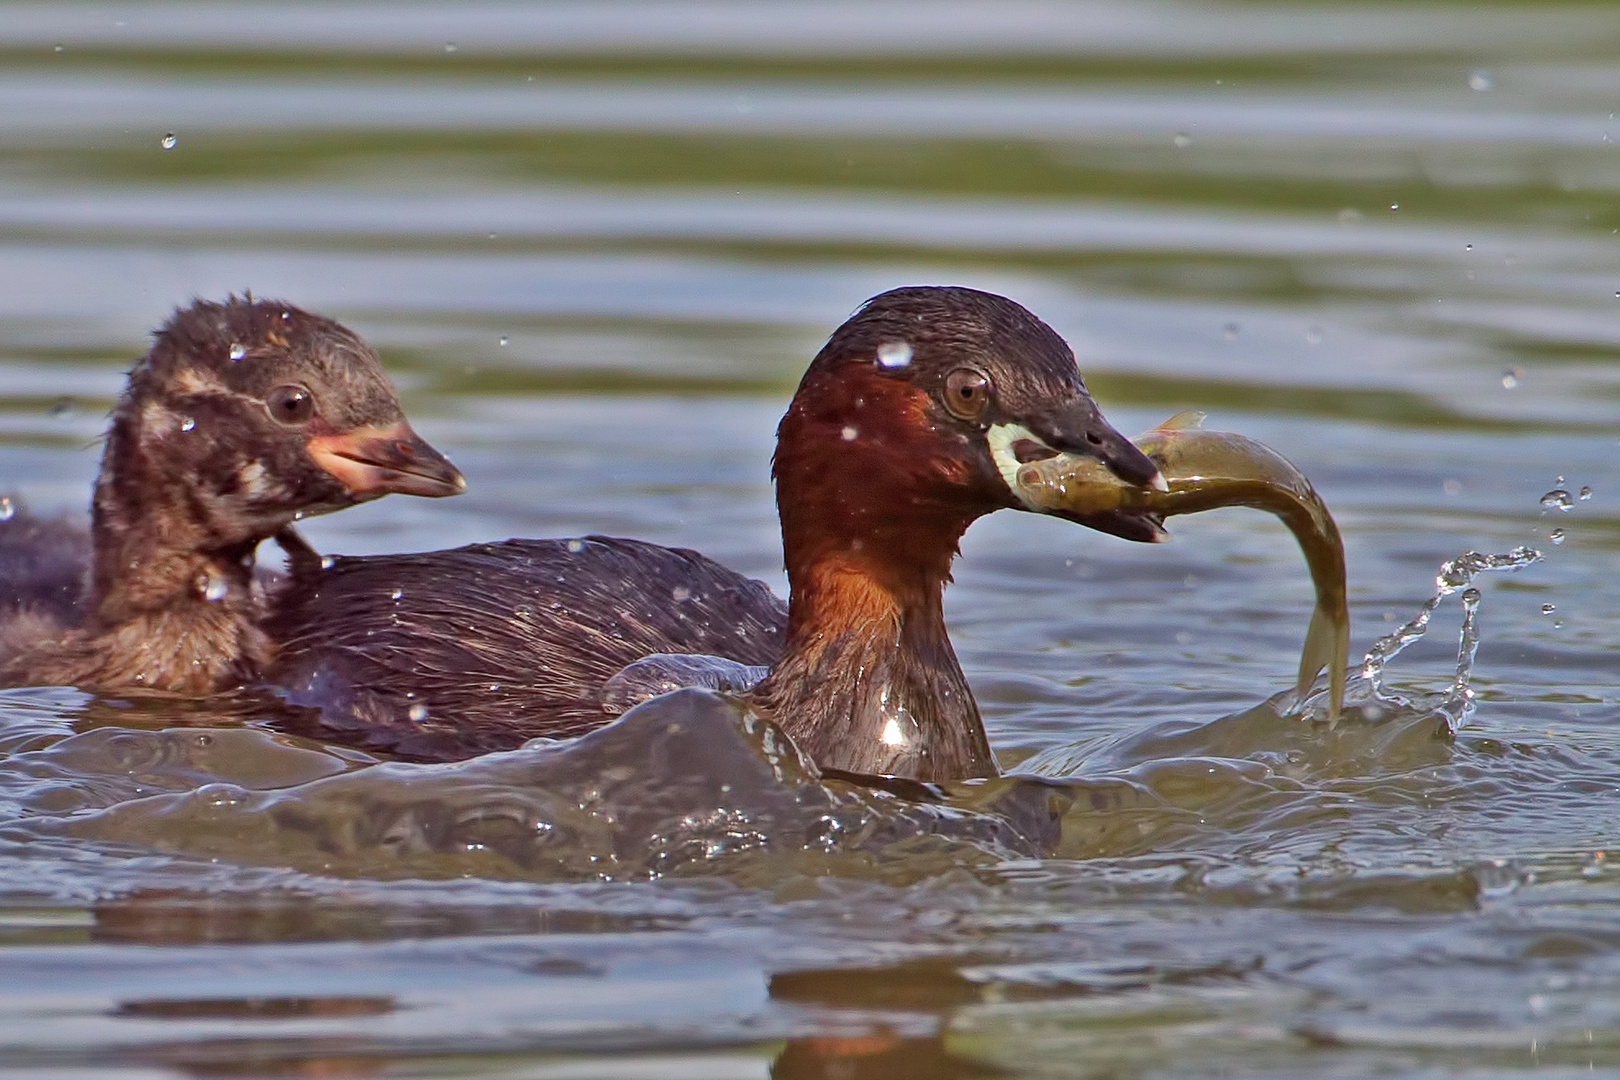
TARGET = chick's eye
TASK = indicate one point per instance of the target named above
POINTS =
(290, 405)
(967, 393)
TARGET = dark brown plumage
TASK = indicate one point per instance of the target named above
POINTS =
(243, 417)
(901, 434)
(460, 652)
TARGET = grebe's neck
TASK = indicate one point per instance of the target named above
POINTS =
(163, 568)
(869, 682)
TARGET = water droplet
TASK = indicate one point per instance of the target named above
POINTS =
(575, 547)
(1394, 206)
(505, 341)
(1556, 536)
(300, 515)
(1586, 493)
(680, 594)
(61, 409)
(418, 712)
(1497, 878)
(1511, 377)
(894, 354)
(285, 315)
(213, 588)
(57, 48)
(1548, 609)
(1451, 486)
(850, 434)
(8, 509)
(188, 424)
(238, 350)
(1468, 247)
(1182, 140)
(327, 562)
(396, 594)
(1480, 81)
(1556, 499)
(169, 141)
(449, 46)
(1313, 335)
(1231, 330)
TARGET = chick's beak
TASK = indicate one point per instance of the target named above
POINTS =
(373, 461)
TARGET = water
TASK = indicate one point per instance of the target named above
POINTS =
(596, 244)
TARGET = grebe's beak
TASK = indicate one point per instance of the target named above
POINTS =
(1077, 428)
(374, 461)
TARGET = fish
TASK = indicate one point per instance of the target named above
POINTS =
(1206, 470)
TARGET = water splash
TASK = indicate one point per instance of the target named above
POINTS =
(1457, 702)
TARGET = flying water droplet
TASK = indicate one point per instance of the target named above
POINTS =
(1313, 335)
(1511, 377)
(396, 594)
(8, 509)
(1455, 574)
(1557, 499)
(1231, 330)
(62, 409)
(327, 562)
(894, 354)
(1556, 536)
(1394, 206)
(1548, 609)
(1451, 486)
(449, 47)
(680, 594)
(850, 434)
(575, 547)
(238, 350)
(57, 48)
(505, 341)
(1480, 81)
(188, 424)
(1586, 493)
(418, 712)
(169, 141)
(1182, 140)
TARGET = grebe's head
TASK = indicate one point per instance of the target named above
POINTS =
(913, 419)
(262, 413)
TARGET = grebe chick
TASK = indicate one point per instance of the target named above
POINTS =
(909, 425)
(242, 418)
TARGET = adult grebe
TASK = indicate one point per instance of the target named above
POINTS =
(910, 424)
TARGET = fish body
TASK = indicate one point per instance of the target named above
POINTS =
(1207, 470)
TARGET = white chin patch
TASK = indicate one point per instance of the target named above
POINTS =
(1001, 438)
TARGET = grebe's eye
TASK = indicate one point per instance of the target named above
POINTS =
(967, 393)
(290, 405)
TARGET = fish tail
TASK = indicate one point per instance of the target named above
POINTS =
(1325, 647)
